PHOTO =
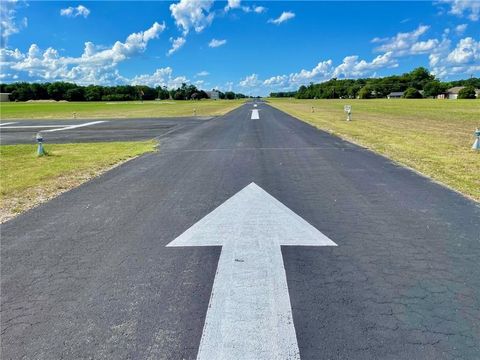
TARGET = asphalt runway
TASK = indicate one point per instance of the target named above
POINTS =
(92, 130)
(252, 209)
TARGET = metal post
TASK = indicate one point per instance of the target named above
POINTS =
(40, 150)
(476, 144)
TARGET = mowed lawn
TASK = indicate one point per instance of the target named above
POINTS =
(433, 137)
(125, 109)
(27, 180)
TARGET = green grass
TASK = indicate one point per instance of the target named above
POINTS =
(433, 137)
(127, 109)
(26, 180)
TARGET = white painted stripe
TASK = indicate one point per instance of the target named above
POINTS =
(30, 126)
(76, 126)
(255, 115)
(249, 315)
(8, 123)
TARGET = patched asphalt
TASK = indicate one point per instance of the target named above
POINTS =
(87, 275)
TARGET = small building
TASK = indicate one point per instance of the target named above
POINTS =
(395, 95)
(214, 94)
(452, 93)
(5, 97)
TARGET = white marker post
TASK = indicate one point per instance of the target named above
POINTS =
(348, 110)
(476, 144)
(249, 315)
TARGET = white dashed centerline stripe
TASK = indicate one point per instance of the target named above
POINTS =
(75, 126)
(249, 315)
(255, 115)
(8, 123)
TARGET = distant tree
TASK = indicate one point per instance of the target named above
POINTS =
(163, 93)
(468, 92)
(365, 92)
(434, 88)
(74, 94)
(57, 90)
(412, 93)
(93, 93)
(230, 95)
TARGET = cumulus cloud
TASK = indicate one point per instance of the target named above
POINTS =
(460, 29)
(95, 65)
(233, 4)
(250, 81)
(237, 4)
(214, 43)
(467, 51)
(461, 8)
(9, 23)
(176, 44)
(286, 15)
(80, 10)
(161, 77)
(259, 9)
(192, 14)
(402, 43)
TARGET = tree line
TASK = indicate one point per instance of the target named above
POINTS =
(415, 84)
(24, 91)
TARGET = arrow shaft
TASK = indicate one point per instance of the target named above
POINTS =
(249, 315)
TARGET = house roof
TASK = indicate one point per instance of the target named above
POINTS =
(456, 90)
(396, 93)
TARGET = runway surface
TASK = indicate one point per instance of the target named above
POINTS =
(89, 274)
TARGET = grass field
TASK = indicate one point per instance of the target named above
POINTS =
(127, 109)
(433, 137)
(27, 180)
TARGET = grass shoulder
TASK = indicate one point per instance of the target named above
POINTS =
(431, 136)
(27, 180)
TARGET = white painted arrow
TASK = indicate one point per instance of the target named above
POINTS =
(249, 315)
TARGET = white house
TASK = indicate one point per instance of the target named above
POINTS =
(395, 95)
(4, 97)
(452, 93)
(214, 94)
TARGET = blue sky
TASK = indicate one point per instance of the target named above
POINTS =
(245, 46)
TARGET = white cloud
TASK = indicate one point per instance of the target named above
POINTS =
(250, 81)
(93, 66)
(9, 23)
(286, 15)
(161, 77)
(402, 43)
(192, 14)
(203, 73)
(423, 47)
(176, 44)
(467, 51)
(460, 29)
(214, 43)
(468, 8)
(351, 67)
(80, 10)
(237, 4)
(233, 4)
(259, 9)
